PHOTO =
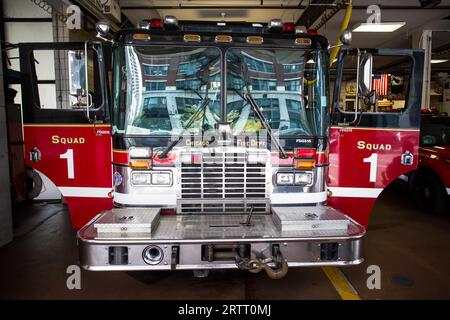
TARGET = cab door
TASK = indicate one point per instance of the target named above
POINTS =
(66, 122)
(374, 134)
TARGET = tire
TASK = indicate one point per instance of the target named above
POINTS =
(429, 193)
(34, 184)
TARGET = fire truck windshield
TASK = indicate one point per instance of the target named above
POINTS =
(289, 86)
(158, 89)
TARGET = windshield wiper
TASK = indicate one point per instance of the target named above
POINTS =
(248, 96)
(201, 108)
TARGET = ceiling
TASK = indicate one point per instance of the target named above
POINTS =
(305, 12)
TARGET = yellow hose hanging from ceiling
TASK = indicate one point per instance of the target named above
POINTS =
(348, 14)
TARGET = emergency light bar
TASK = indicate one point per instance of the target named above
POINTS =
(276, 25)
(168, 23)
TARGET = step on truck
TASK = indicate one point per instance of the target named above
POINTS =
(213, 146)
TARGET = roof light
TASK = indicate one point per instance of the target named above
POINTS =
(192, 38)
(143, 25)
(223, 38)
(275, 25)
(300, 29)
(156, 24)
(170, 22)
(255, 40)
(257, 25)
(303, 41)
(289, 28)
(141, 36)
(221, 24)
(378, 27)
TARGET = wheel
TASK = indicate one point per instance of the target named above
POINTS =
(34, 184)
(429, 193)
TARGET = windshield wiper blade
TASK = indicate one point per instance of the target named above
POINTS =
(248, 96)
(201, 108)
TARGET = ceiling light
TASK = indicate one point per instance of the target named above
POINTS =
(438, 60)
(378, 27)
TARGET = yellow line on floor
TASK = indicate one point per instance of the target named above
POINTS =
(341, 283)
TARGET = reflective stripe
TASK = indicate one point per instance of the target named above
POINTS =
(85, 192)
(146, 199)
(355, 192)
(298, 197)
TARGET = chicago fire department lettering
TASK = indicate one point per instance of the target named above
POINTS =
(374, 146)
(67, 140)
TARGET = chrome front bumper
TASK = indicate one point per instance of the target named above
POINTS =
(306, 236)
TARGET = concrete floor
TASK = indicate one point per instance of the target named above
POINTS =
(412, 249)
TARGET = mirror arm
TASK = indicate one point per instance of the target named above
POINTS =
(104, 38)
(335, 46)
(88, 96)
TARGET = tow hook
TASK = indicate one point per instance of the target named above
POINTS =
(275, 265)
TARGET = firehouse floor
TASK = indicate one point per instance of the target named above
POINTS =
(412, 249)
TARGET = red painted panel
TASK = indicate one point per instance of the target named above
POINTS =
(357, 208)
(82, 210)
(350, 163)
(120, 157)
(88, 148)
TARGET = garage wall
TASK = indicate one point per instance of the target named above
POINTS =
(26, 22)
(6, 231)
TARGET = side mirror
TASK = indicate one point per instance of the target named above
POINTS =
(102, 29)
(77, 76)
(346, 37)
(365, 63)
(365, 79)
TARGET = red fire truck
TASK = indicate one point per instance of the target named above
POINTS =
(219, 145)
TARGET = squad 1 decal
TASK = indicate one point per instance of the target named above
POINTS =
(363, 162)
(77, 159)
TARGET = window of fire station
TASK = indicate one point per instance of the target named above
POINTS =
(158, 89)
(290, 87)
(59, 76)
(390, 81)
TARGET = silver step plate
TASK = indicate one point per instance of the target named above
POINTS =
(130, 221)
(292, 219)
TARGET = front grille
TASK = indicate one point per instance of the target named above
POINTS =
(223, 182)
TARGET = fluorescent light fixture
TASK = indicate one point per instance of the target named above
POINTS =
(378, 27)
(438, 60)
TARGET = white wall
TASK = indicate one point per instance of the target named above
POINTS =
(16, 32)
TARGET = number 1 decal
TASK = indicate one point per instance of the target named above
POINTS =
(373, 159)
(69, 157)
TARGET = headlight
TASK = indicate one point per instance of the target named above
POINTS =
(303, 178)
(141, 178)
(162, 178)
(285, 179)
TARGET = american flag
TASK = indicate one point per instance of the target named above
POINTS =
(380, 83)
